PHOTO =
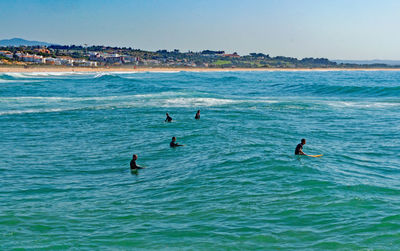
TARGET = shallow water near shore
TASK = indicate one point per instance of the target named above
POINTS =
(67, 139)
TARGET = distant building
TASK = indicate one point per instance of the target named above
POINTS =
(85, 63)
(150, 62)
(6, 54)
(114, 59)
(95, 56)
(38, 59)
(129, 59)
(42, 50)
(106, 58)
(234, 55)
(68, 61)
(31, 58)
(53, 61)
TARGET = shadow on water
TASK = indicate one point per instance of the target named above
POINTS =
(134, 172)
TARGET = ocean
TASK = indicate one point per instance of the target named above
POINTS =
(67, 140)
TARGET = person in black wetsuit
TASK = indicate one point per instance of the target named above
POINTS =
(197, 115)
(168, 119)
(173, 143)
(299, 148)
(133, 163)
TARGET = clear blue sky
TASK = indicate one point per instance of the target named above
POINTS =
(336, 29)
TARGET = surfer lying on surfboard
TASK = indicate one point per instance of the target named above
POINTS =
(299, 149)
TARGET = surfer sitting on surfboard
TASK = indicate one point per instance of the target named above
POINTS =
(299, 148)
(168, 119)
(173, 144)
(133, 163)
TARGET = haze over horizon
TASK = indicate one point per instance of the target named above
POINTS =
(363, 30)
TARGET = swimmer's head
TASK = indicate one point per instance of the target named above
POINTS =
(173, 139)
(303, 141)
(134, 157)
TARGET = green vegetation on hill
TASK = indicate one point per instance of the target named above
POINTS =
(221, 62)
(175, 58)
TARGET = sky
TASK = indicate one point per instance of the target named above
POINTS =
(334, 29)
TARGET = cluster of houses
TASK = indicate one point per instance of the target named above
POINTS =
(38, 59)
(96, 58)
(106, 58)
(103, 58)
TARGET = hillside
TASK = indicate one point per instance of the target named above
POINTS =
(22, 42)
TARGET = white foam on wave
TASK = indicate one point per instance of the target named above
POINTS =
(102, 74)
(263, 101)
(177, 71)
(150, 99)
(51, 110)
(182, 99)
(176, 102)
(72, 73)
(43, 74)
(31, 111)
(299, 102)
(196, 102)
(17, 81)
(353, 104)
(103, 98)
(29, 104)
(162, 94)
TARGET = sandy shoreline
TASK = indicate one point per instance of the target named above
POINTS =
(5, 69)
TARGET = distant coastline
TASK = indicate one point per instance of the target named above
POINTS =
(106, 58)
(10, 69)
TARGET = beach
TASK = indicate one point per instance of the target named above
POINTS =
(5, 69)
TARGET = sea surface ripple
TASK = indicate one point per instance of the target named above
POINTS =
(67, 139)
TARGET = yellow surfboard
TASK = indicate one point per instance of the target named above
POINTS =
(316, 156)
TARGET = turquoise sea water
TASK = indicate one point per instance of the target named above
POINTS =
(67, 139)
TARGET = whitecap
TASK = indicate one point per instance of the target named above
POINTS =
(353, 104)
(196, 102)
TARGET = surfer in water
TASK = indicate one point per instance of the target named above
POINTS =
(197, 114)
(133, 163)
(299, 148)
(168, 119)
(173, 143)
